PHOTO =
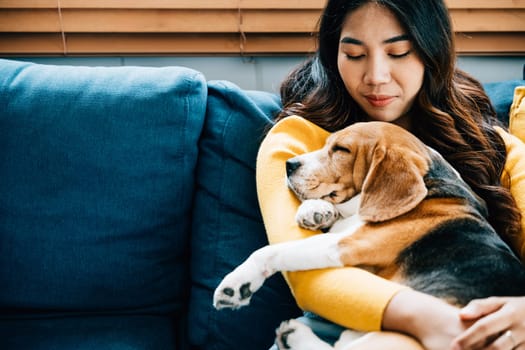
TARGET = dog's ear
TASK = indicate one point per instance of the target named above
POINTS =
(393, 186)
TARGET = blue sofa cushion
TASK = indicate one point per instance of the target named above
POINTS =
(130, 332)
(96, 180)
(227, 224)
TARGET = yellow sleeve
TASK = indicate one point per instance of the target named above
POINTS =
(347, 296)
(517, 113)
(514, 173)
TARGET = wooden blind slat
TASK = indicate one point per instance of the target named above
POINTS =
(231, 4)
(166, 4)
(218, 21)
(133, 21)
(485, 4)
(94, 44)
(488, 20)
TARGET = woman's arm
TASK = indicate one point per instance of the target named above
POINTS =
(432, 321)
(514, 178)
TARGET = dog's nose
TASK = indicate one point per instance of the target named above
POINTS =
(291, 166)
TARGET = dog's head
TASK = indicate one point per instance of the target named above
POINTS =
(380, 160)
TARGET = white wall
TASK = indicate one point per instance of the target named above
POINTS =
(493, 68)
(266, 73)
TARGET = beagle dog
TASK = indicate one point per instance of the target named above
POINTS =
(392, 206)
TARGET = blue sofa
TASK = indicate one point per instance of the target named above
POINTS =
(126, 194)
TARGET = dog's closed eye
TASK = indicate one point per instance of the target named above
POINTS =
(332, 194)
(339, 148)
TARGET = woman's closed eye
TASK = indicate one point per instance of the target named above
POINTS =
(400, 55)
(354, 57)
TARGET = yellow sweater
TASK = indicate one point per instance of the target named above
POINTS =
(347, 296)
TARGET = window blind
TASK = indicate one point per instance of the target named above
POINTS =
(228, 27)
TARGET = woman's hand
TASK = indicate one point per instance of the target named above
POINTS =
(498, 323)
(430, 320)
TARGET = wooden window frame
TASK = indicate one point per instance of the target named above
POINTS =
(226, 27)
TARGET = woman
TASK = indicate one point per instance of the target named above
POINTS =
(394, 61)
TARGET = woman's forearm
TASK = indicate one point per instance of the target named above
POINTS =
(432, 321)
(350, 297)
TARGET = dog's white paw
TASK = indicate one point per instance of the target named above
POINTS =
(294, 335)
(237, 288)
(316, 214)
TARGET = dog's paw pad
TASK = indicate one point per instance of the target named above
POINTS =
(323, 218)
(245, 291)
(228, 292)
(283, 333)
(226, 297)
(293, 334)
(316, 214)
(237, 288)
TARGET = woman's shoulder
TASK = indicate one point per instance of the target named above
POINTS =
(295, 124)
(515, 162)
(513, 144)
(295, 132)
(515, 136)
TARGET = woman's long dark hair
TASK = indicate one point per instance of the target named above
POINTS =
(454, 114)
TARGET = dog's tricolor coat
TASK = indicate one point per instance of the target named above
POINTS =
(393, 206)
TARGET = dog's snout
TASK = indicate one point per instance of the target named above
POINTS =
(291, 166)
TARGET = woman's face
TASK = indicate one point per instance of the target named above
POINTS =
(378, 64)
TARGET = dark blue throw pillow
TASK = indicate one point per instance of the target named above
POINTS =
(227, 223)
(96, 188)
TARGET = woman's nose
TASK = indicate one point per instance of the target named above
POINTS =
(377, 71)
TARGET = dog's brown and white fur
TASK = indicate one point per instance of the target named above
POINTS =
(394, 207)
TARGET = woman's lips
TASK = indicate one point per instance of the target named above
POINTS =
(379, 100)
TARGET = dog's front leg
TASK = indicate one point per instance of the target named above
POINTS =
(316, 252)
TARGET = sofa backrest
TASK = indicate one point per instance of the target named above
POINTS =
(97, 180)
